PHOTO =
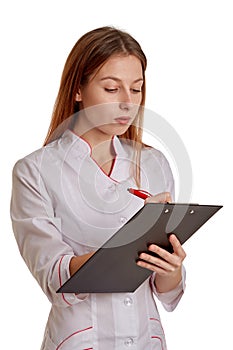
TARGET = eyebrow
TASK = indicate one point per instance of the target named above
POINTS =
(119, 80)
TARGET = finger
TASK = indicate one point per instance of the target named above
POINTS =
(177, 247)
(165, 255)
(163, 197)
(151, 267)
(157, 261)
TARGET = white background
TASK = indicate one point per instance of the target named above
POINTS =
(189, 82)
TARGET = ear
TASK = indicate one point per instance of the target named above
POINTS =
(78, 96)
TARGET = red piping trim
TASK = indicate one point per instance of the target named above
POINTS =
(60, 281)
(89, 145)
(154, 319)
(156, 337)
(112, 166)
(81, 330)
(157, 320)
(108, 175)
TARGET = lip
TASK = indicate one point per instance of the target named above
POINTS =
(122, 120)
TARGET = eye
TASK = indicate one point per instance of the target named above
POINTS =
(110, 90)
(136, 91)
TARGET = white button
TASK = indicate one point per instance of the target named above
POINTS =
(123, 220)
(72, 297)
(129, 342)
(82, 155)
(128, 301)
(119, 187)
(112, 187)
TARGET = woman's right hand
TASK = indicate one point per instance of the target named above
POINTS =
(163, 197)
(77, 261)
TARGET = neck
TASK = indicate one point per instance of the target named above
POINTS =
(97, 139)
(100, 142)
(102, 149)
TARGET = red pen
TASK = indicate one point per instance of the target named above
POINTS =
(139, 193)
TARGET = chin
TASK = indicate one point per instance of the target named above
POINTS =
(120, 130)
(114, 129)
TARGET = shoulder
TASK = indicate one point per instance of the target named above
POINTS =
(32, 162)
(27, 162)
(153, 159)
(152, 155)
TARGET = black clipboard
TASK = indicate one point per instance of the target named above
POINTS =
(112, 268)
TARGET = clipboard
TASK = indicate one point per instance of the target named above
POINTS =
(113, 269)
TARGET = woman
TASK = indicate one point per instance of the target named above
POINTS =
(70, 196)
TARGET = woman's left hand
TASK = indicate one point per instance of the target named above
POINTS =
(168, 266)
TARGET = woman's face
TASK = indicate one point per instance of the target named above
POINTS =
(111, 99)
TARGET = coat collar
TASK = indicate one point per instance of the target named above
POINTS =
(84, 148)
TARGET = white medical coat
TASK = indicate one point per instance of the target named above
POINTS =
(63, 205)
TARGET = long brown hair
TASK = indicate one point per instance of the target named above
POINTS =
(90, 52)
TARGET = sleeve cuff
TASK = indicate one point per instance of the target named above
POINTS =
(170, 299)
(64, 275)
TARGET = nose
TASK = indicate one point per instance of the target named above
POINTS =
(125, 101)
(126, 106)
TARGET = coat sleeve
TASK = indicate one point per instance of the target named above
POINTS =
(38, 233)
(170, 299)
